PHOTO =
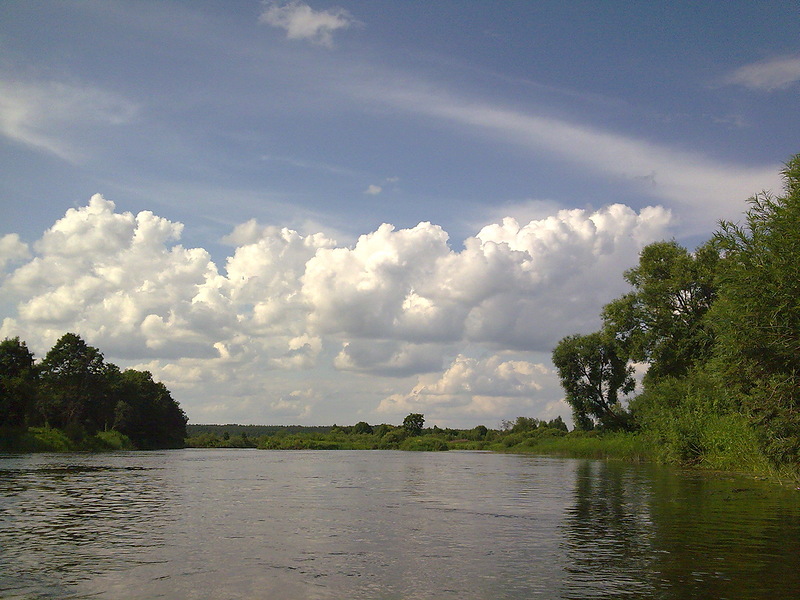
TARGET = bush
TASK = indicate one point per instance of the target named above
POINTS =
(425, 444)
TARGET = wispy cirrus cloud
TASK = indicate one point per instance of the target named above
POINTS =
(40, 114)
(702, 189)
(768, 75)
(301, 22)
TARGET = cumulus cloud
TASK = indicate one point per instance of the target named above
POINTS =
(393, 305)
(40, 114)
(301, 22)
(482, 387)
(388, 358)
(373, 190)
(769, 75)
(116, 275)
(12, 250)
(513, 285)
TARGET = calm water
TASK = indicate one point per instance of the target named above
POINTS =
(386, 525)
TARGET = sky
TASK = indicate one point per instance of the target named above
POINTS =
(333, 211)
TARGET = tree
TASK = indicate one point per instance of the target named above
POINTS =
(147, 413)
(17, 383)
(663, 321)
(525, 424)
(479, 432)
(75, 385)
(413, 423)
(362, 427)
(593, 373)
(757, 316)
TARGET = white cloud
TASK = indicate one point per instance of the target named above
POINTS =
(769, 75)
(392, 306)
(512, 285)
(388, 358)
(41, 114)
(373, 190)
(12, 250)
(115, 275)
(483, 387)
(301, 22)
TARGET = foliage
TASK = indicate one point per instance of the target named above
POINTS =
(75, 388)
(146, 412)
(593, 373)
(413, 423)
(719, 332)
(757, 317)
(362, 427)
(663, 321)
(427, 443)
(18, 383)
(75, 400)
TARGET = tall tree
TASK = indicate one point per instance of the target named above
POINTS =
(663, 320)
(146, 412)
(17, 383)
(593, 373)
(74, 384)
(413, 423)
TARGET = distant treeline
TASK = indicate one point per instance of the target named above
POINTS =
(411, 435)
(73, 399)
(254, 431)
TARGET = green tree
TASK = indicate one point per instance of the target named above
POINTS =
(757, 316)
(362, 427)
(413, 423)
(17, 383)
(558, 423)
(147, 413)
(525, 424)
(479, 432)
(74, 385)
(593, 373)
(663, 321)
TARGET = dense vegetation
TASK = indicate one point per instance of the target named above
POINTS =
(411, 435)
(74, 400)
(718, 331)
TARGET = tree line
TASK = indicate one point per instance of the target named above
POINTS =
(520, 435)
(717, 331)
(74, 390)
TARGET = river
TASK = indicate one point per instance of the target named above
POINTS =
(387, 525)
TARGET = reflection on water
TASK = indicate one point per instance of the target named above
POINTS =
(386, 525)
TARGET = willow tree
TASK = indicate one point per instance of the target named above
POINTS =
(757, 315)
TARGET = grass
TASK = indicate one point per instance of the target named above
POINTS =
(621, 445)
(46, 439)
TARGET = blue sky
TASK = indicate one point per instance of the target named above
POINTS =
(201, 188)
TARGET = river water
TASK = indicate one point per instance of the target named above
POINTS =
(230, 524)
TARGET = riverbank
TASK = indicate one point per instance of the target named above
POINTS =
(739, 456)
(45, 439)
(728, 448)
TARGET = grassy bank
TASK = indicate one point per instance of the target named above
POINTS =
(44, 439)
(725, 446)
(709, 442)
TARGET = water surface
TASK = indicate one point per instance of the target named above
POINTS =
(386, 525)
